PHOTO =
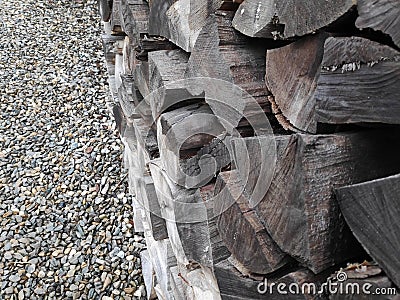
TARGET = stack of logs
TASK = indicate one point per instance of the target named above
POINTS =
(326, 74)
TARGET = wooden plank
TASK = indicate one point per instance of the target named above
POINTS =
(334, 80)
(134, 15)
(382, 15)
(289, 19)
(299, 209)
(372, 209)
(243, 233)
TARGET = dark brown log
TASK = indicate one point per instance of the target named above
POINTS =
(288, 19)
(299, 209)
(223, 53)
(334, 80)
(382, 15)
(372, 211)
(234, 286)
(241, 230)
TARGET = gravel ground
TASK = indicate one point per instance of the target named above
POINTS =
(66, 227)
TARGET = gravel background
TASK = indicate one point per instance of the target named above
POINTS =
(66, 228)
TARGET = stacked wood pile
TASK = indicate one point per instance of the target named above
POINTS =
(222, 206)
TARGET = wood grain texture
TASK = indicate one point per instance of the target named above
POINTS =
(166, 72)
(105, 7)
(382, 15)
(372, 211)
(358, 83)
(180, 20)
(192, 145)
(223, 53)
(242, 232)
(336, 80)
(299, 209)
(134, 15)
(287, 19)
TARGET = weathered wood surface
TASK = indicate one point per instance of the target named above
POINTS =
(372, 211)
(242, 232)
(287, 19)
(163, 259)
(224, 54)
(234, 286)
(148, 198)
(322, 79)
(105, 7)
(166, 74)
(186, 219)
(299, 209)
(382, 15)
(134, 15)
(115, 18)
(193, 145)
(181, 20)
(218, 249)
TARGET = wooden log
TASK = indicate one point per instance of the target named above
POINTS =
(186, 130)
(334, 80)
(166, 74)
(234, 286)
(242, 232)
(299, 209)
(180, 20)
(362, 281)
(380, 15)
(105, 7)
(115, 18)
(186, 219)
(371, 210)
(286, 20)
(134, 15)
(151, 205)
(219, 252)
(224, 54)
(163, 259)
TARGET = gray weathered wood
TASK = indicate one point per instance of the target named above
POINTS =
(234, 286)
(321, 79)
(180, 20)
(105, 7)
(186, 219)
(382, 15)
(372, 211)
(287, 19)
(242, 232)
(224, 54)
(299, 210)
(181, 133)
(166, 72)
